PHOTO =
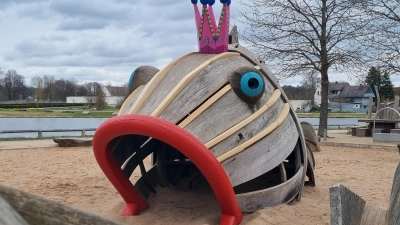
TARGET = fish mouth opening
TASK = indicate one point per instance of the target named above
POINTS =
(178, 159)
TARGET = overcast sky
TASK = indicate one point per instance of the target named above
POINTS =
(99, 40)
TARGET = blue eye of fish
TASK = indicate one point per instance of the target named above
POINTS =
(252, 84)
(247, 83)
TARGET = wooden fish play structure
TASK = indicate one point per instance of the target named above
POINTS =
(219, 111)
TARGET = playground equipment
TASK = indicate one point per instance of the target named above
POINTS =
(222, 113)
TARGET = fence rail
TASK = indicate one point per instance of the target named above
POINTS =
(40, 132)
(339, 126)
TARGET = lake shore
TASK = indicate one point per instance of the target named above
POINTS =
(72, 176)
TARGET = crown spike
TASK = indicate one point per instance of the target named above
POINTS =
(212, 39)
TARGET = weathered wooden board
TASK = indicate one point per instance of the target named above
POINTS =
(126, 107)
(148, 89)
(280, 194)
(248, 131)
(201, 87)
(204, 106)
(263, 155)
(269, 75)
(234, 129)
(188, 78)
(347, 208)
(170, 80)
(8, 216)
(37, 210)
(226, 112)
(394, 202)
(142, 76)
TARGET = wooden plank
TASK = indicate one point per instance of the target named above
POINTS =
(263, 155)
(226, 112)
(141, 186)
(169, 80)
(130, 100)
(204, 85)
(259, 112)
(37, 210)
(272, 79)
(265, 132)
(205, 106)
(394, 202)
(154, 82)
(249, 131)
(8, 216)
(182, 83)
(280, 194)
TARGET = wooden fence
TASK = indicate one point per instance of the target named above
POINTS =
(40, 132)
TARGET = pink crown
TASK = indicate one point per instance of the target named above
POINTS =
(212, 39)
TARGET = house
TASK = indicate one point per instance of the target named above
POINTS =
(344, 97)
(112, 95)
(300, 105)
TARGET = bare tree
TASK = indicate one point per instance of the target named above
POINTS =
(49, 88)
(38, 84)
(296, 37)
(310, 83)
(95, 95)
(14, 84)
(384, 42)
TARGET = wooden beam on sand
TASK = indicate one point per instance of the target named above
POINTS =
(36, 210)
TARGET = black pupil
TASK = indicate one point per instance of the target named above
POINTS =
(253, 83)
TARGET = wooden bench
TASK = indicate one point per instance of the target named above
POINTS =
(354, 129)
(362, 132)
(395, 131)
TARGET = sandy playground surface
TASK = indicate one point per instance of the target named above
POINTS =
(72, 176)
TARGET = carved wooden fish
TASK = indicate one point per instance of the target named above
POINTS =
(232, 117)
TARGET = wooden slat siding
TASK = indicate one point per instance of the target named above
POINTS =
(271, 101)
(282, 116)
(130, 100)
(202, 86)
(165, 84)
(226, 112)
(394, 202)
(280, 194)
(8, 216)
(346, 207)
(37, 210)
(189, 77)
(263, 155)
(269, 75)
(205, 106)
(249, 130)
(148, 89)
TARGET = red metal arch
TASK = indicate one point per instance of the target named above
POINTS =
(176, 137)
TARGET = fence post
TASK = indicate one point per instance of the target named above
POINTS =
(39, 134)
(83, 133)
(325, 134)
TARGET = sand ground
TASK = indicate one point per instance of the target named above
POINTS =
(72, 176)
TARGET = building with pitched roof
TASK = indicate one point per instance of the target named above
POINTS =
(344, 97)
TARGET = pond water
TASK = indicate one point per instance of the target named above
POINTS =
(85, 123)
(7, 124)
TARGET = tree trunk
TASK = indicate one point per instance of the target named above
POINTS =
(323, 116)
